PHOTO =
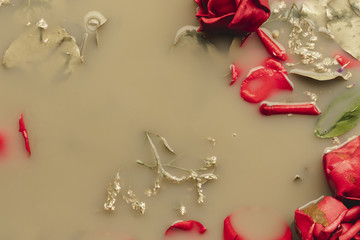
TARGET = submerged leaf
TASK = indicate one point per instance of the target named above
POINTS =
(38, 44)
(315, 10)
(319, 76)
(341, 116)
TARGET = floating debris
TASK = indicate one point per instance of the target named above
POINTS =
(313, 96)
(297, 178)
(181, 209)
(193, 175)
(350, 86)
(93, 20)
(5, 2)
(113, 191)
(210, 139)
(130, 198)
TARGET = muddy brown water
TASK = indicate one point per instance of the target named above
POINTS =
(84, 127)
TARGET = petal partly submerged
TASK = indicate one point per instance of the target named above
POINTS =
(218, 8)
(249, 16)
(262, 83)
(186, 226)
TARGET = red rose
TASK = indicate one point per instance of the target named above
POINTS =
(233, 16)
(342, 169)
(327, 218)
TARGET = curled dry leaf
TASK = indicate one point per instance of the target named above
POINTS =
(93, 20)
(325, 76)
(39, 43)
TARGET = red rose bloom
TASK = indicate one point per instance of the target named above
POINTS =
(342, 169)
(233, 16)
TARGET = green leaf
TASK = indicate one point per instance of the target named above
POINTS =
(341, 116)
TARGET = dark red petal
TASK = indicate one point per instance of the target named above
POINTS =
(215, 25)
(218, 8)
(186, 226)
(249, 16)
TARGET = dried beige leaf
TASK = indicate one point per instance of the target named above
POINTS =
(39, 43)
(319, 76)
(315, 10)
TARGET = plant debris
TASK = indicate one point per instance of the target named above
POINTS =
(5, 2)
(113, 192)
(93, 20)
(195, 176)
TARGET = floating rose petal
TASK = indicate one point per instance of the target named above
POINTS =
(273, 47)
(186, 226)
(23, 130)
(347, 61)
(235, 72)
(275, 64)
(267, 80)
(2, 145)
(327, 218)
(247, 222)
(272, 108)
(342, 168)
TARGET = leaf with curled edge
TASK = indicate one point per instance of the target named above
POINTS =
(38, 44)
(326, 76)
(342, 115)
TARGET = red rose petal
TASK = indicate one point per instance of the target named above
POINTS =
(186, 226)
(275, 64)
(249, 16)
(267, 81)
(251, 220)
(23, 130)
(342, 169)
(320, 219)
(274, 48)
(235, 73)
(220, 8)
(271, 108)
(347, 60)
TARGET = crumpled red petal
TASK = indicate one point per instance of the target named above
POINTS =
(275, 64)
(186, 226)
(24, 132)
(326, 218)
(342, 169)
(269, 81)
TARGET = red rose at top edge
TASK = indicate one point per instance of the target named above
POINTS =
(232, 16)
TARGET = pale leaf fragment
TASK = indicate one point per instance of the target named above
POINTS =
(315, 10)
(5, 2)
(344, 23)
(325, 76)
(38, 44)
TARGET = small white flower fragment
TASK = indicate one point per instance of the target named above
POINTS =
(210, 139)
(181, 209)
